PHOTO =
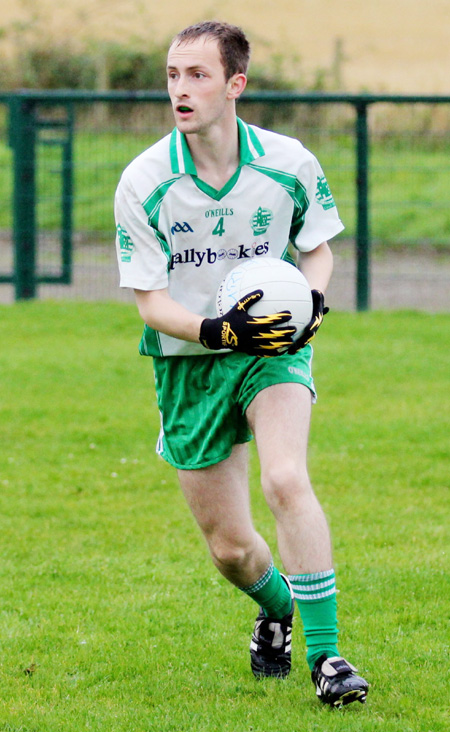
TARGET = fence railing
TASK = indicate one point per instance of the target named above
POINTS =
(48, 118)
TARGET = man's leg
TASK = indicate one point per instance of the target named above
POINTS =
(219, 499)
(279, 417)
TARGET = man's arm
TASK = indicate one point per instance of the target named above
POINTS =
(317, 266)
(158, 310)
(236, 330)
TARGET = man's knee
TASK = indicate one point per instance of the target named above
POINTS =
(286, 485)
(230, 554)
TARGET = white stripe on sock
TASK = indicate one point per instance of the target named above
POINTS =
(315, 595)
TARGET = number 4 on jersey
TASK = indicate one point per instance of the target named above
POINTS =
(219, 229)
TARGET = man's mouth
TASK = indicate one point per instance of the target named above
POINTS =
(184, 109)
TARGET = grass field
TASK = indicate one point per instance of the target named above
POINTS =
(112, 617)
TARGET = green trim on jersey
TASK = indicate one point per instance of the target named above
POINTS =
(180, 155)
(287, 257)
(152, 203)
(164, 246)
(295, 189)
(152, 207)
(213, 192)
(150, 343)
(286, 180)
(250, 147)
(182, 162)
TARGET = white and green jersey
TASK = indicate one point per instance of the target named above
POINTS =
(176, 231)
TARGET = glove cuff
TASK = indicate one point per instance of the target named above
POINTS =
(318, 296)
(210, 336)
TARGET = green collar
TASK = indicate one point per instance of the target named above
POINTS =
(181, 160)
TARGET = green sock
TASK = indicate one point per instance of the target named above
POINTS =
(316, 599)
(272, 593)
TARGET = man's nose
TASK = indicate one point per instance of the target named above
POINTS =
(181, 87)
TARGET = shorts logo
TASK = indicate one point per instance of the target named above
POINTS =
(323, 193)
(126, 245)
(260, 220)
(184, 227)
(298, 372)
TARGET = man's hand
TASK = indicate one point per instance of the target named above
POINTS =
(240, 331)
(314, 324)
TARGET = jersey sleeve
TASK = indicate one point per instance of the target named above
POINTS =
(141, 251)
(318, 220)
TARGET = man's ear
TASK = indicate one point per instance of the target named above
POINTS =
(236, 85)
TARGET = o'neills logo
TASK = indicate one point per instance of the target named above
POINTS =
(210, 256)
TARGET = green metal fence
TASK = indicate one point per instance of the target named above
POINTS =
(67, 149)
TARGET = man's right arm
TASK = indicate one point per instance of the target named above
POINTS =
(159, 311)
(265, 335)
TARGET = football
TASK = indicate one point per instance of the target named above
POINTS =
(284, 287)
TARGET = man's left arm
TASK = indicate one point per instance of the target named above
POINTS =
(317, 266)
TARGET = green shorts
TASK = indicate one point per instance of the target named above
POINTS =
(203, 399)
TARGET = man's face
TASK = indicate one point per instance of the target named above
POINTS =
(197, 87)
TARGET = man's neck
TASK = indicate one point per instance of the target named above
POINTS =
(216, 155)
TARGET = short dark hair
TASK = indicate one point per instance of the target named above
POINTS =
(233, 45)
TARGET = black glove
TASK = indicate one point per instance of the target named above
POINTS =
(242, 332)
(314, 324)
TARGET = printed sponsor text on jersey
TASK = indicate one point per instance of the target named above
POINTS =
(209, 256)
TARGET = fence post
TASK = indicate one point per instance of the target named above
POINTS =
(362, 209)
(67, 198)
(22, 139)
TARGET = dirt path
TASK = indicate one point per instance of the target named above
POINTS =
(416, 281)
